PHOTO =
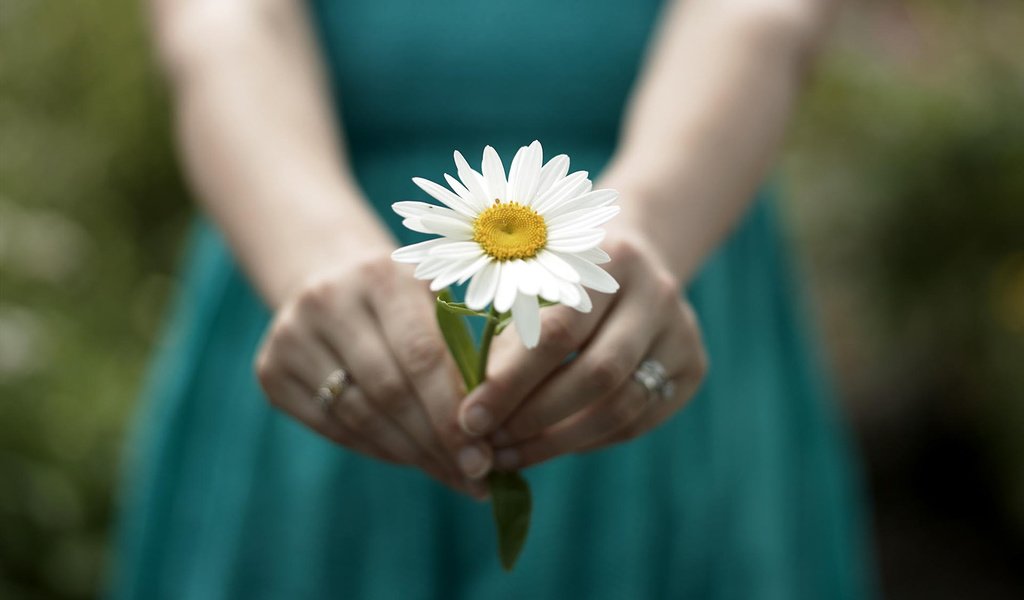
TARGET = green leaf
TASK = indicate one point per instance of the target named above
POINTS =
(458, 308)
(512, 504)
(460, 342)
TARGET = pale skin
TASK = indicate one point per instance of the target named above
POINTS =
(261, 146)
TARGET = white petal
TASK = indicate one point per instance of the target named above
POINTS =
(594, 255)
(569, 187)
(431, 268)
(415, 225)
(549, 286)
(494, 174)
(526, 314)
(473, 181)
(415, 253)
(569, 294)
(584, 305)
(576, 240)
(460, 189)
(586, 218)
(591, 275)
(415, 210)
(456, 229)
(578, 197)
(457, 250)
(482, 287)
(530, 274)
(590, 200)
(446, 197)
(454, 271)
(507, 287)
(556, 266)
(515, 171)
(524, 175)
(555, 170)
(474, 268)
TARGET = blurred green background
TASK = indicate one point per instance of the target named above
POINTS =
(905, 181)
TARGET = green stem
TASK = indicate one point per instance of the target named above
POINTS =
(485, 345)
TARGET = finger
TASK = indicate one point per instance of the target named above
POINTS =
(410, 328)
(287, 392)
(307, 363)
(312, 362)
(358, 343)
(291, 395)
(686, 365)
(597, 422)
(346, 433)
(354, 410)
(352, 417)
(516, 371)
(608, 361)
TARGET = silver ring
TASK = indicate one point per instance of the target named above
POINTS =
(332, 388)
(652, 376)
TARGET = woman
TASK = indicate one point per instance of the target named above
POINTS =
(299, 125)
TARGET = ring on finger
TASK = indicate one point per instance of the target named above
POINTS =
(332, 388)
(651, 374)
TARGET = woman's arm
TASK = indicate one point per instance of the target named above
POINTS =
(265, 155)
(707, 117)
(701, 131)
(259, 141)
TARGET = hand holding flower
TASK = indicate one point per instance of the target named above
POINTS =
(372, 319)
(535, 406)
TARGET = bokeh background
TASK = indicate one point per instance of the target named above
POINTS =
(905, 201)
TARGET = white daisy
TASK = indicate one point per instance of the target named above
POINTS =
(534, 234)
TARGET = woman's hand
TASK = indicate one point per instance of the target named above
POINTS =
(535, 406)
(372, 319)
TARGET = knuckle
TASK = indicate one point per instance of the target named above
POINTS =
(266, 372)
(285, 332)
(358, 420)
(690, 317)
(666, 288)
(394, 403)
(606, 372)
(379, 276)
(318, 294)
(377, 270)
(557, 335)
(624, 249)
(423, 353)
(391, 397)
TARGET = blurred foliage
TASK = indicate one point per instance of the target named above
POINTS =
(91, 212)
(906, 201)
(907, 196)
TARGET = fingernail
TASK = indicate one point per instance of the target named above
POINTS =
(501, 438)
(473, 462)
(476, 420)
(507, 459)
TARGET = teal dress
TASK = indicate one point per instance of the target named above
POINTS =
(748, 493)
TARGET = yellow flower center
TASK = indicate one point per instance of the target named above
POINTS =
(510, 230)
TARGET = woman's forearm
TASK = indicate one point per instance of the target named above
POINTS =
(258, 139)
(707, 118)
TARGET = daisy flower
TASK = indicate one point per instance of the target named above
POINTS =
(517, 239)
